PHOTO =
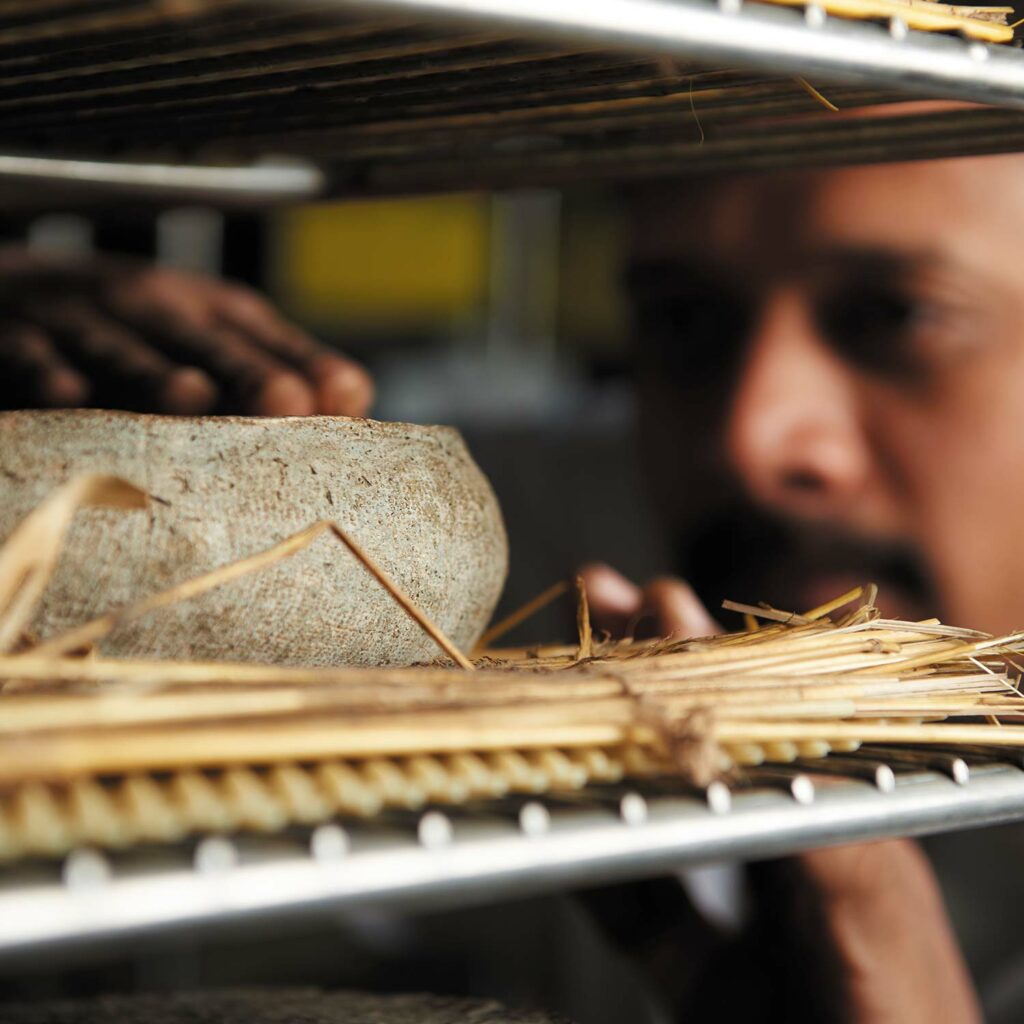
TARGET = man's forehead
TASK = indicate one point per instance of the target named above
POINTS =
(715, 217)
(964, 211)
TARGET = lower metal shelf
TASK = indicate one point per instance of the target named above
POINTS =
(450, 858)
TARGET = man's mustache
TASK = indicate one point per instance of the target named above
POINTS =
(749, 555)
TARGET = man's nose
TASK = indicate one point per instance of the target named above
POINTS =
(794, 431)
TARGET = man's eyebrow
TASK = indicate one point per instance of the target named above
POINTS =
(676, 272)
(870, 260)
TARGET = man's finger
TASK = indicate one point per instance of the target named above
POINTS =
(34, 373)
(678, 612)
(251, 381)
(614, 601)
(342, 386)
(620, 606)
(264, 364)
(125, 371)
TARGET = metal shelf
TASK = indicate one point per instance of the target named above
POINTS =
(446, 859)
(732, 32)
(393, 96)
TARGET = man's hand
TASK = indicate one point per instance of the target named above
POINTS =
(884, 914)
(664, 607)
(110, 333)
(868, 919)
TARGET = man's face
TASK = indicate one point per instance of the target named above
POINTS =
(833, 375)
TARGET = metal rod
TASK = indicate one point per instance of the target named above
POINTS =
(911, 757)
(254, 184)
(776, 39)
(797, 783)
(875, 771)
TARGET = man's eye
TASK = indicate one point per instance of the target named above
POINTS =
(876, 328)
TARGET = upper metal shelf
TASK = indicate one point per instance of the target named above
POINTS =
(415, 95)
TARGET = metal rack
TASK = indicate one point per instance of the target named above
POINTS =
(414, 95)
(446, 858)
(180, 102)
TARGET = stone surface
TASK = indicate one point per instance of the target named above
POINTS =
(269, 1006)
(229, 487)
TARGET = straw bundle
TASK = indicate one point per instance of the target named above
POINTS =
(987, 24)
(112, 752)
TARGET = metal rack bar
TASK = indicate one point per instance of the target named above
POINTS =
(446, 859)
(731, 32)
(257, 184)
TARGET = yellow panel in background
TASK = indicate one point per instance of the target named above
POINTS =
(593, 316)
(380, 266)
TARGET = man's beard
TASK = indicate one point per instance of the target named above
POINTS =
(744, 554)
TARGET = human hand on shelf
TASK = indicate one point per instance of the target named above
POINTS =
(856, 933)
(110, 333)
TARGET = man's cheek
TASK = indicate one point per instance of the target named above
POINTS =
(666, 453)
(960, 475)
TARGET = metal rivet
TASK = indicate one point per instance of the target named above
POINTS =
(898, 29)
(214, 855)
(719, 797)
(978, 51)
(885, 779)
(802, 789)
(633, 809)
(85, 869)
(434, 830)
(328, 842)
(815, 16)
(960, 770)
(534, 819)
